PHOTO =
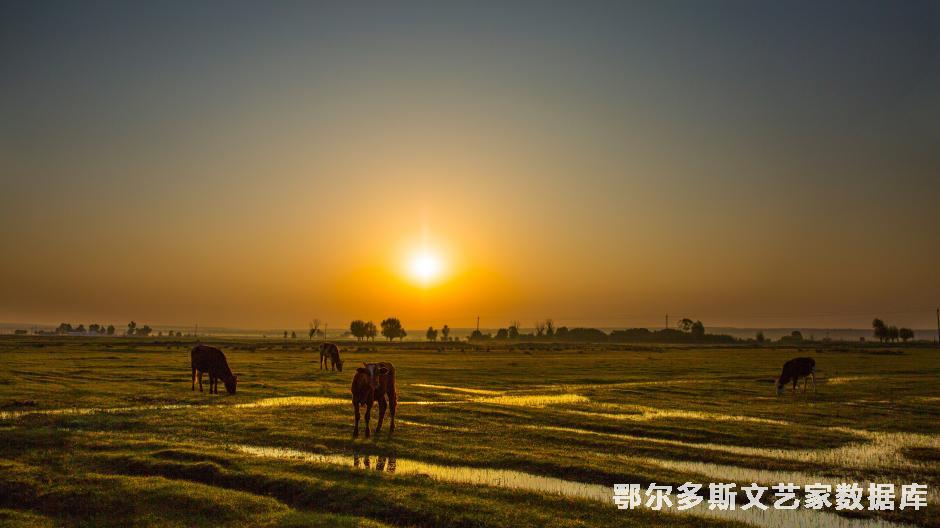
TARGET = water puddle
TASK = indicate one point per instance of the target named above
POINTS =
(878, 450)
(620, 384)
(518, 480)
(483, 392)
(537, 400)
(641, 413)
(435, 426)
(292, 401)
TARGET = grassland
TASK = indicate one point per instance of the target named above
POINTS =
(106, 432)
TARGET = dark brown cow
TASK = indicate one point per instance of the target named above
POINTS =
(210, 359)
(374, 382)
(329, 353)
(793, 370)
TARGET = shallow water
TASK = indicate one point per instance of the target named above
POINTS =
(876, 450)
(291, 401)
(457, 389)
(519, 480)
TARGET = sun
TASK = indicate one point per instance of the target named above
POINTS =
(425, 267)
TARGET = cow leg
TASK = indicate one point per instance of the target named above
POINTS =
(213, 384)
(805, 383)
(194, 378)
(813, 375)
(368, 417)
(392, 404)
(321, 361)
(382, 406)
(356, 429)
(199, 374)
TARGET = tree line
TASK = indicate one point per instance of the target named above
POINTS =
(890, 333)
(132, 330)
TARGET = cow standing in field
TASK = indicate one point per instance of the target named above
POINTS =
(793, 370)
(374, 382)
(329, 352)
(212, 360)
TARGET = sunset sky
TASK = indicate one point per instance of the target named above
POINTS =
(258, 165)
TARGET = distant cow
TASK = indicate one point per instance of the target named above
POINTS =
(793, 370)
(329, 355)
(212, 360)
(375, 382)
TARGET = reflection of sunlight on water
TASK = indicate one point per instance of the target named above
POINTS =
(435, 426)
(882, 450)
(457, 389)
(525, 481)
(289, 401)
(642, 413)
(534, 400)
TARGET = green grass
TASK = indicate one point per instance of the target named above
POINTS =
(113, 453)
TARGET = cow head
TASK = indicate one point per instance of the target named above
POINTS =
(372, 371)
(781, 383)
(339, 364)
(230, 384)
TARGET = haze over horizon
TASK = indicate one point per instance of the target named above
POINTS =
(749, 164)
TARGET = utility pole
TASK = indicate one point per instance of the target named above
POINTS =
(478, 323)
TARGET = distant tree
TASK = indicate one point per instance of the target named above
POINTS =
(371, 330)
(539, 329)
(179, 334)
(392, 329)
(685, 324)
(796, 335)
(431, 334)
(476, 335)
(881, 331)
(285, 334)
(445, 333)
(314, 328)
(562, 332)
(893, 333)
(64, 328)
(160, 333)
(144, 331)
(549, 328)
(293, 335)
(93, 328)
(358, 329)
(760, 336)
(131, 328)
(905, 334)
(513, 330)
(502, 333)
(110, 329)
(80, 329)
(698, 329)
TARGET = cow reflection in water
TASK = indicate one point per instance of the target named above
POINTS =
(382, 463)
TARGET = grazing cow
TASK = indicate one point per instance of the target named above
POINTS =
(329, 352)
(793, 370)
(212, 360)
(374, 382)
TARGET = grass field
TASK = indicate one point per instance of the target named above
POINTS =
(99, 432)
